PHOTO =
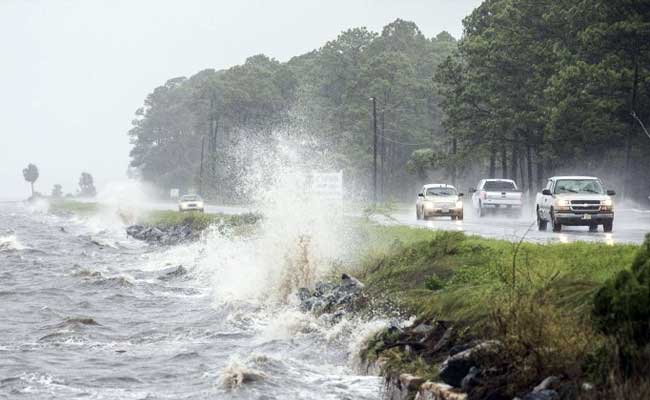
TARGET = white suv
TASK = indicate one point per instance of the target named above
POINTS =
(439, 200)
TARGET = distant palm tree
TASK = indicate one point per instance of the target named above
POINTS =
(87, 185)
(31, 175)
(57, 191)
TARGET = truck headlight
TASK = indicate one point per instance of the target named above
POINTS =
(607, 205)
(562, 205)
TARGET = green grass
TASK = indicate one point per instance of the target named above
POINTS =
(159, 218)
(470, 271)
(198, 221)
(539, 304)
(73, 206)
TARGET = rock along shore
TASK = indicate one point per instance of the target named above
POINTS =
(163, 235)
(459, 359)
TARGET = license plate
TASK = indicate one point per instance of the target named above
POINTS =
(445, 209)
(586, 216)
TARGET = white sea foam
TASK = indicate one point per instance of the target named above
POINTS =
(237, 373)
(10, 242)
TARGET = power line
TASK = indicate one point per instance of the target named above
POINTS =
(640, 123)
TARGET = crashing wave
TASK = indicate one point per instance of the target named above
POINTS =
(9, 243)
(236, 374)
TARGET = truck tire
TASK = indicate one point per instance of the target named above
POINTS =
(417, 214)
(554, 224)
(541, 223)
(608, 226)
(480, 211)
(459, 217)
(593, 228)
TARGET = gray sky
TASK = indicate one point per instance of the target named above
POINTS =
(74, 72)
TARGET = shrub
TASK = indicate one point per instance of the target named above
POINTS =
(622, 305)
(621, 310)
(434, 283)
(539, 339)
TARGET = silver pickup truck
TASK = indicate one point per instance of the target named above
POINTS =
(575, 200)
(497, 195)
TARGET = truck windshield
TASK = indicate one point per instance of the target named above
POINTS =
(190, 198)
(591, 186)
(441, 191)
(503, 186)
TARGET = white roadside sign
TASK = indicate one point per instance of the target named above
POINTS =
(327, 185)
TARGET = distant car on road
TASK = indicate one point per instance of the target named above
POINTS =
(190, 202)
(439, 200)
(497, 195)
(575, 200)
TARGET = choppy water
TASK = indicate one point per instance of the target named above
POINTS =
(84, 313)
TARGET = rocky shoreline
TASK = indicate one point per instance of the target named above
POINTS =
(464, 365)
(171, 235)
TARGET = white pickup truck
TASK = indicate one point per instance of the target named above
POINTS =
(576, 201)
(496, 194)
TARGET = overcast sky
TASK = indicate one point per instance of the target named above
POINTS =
(74, 72)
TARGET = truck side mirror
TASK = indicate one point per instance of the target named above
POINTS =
(420, 194)
(611, 193)
(461, 194)
(547, 192)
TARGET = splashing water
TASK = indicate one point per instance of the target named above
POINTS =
(10, 242)
(227, 328)
(236, 373)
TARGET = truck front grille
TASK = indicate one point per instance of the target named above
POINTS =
(585, 205)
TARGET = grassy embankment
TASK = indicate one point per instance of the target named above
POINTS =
(73, 207)
(536, 299)
(158, 218)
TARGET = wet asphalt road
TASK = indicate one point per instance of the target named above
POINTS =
(630, 226)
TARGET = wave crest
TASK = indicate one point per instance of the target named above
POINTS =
(10, 243)
(236, 374)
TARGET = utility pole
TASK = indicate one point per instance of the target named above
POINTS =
(212, 146)
(382, 157)
(454, 150)
(374, 149)
(201, 166)
(628, 139)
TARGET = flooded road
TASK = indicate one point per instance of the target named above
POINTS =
(90, 313)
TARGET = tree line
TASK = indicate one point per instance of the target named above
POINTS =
(533, 88)
(86, 184)
(321, 98)
(551, 87)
